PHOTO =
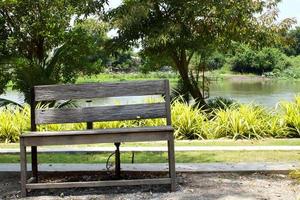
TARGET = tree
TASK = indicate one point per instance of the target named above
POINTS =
(294, 37)
(43, 44)
(178, 30)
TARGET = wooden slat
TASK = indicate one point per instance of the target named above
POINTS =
(23, 163)
(97, 138)
(100, 131)
(99, 183)
(168, 102)
(98, 90)
(102, 113)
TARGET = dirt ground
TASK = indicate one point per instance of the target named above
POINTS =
(210, 186)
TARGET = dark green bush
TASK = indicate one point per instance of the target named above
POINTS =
(265, 60)
(216, 61)
(220, 102)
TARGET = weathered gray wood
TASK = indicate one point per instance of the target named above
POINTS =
(144, 129)
(168, 103)
(99, 183)
(92, 114)
(98, 90)
(93, 139)
(171, 159)
(23, 163)
(101, 113)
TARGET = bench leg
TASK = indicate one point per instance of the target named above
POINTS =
(23, 162)
(171, 158)
(117, 161)
(34, 165)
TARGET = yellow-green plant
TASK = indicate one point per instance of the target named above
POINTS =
(243, 122)
(13, 121)
(295, 175)
(189, 122)
(291, 114)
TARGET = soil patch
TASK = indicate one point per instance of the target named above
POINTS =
(209, 186)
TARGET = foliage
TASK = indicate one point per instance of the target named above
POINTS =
(180, 93)
(295, 175)
(13, 121)
(216, 61)
(292, 72)
(243, 121)
(179, 30)
(123, 61)
(129, 76)
(189, 122)
(291, 115)
(293, 48)
(44, 47)
(247, 60)
(220, 103)
(153, 62)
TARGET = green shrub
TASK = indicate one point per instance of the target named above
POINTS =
(266, 60)
(13, 121)
(292, 72)
(220, 103)
(189, 122)
(291, 115)
(235, 121)
(216, 61)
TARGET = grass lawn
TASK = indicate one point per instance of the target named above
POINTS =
(111, 77)
(262, 142)
(181, 157)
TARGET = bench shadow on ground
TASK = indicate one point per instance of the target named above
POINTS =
(194, 186)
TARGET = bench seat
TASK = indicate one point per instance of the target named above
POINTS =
(99, 131)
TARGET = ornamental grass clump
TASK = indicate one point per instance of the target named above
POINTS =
(236, 121)
(291, 115)
(13, 121)
(243, 122)
(188, 122)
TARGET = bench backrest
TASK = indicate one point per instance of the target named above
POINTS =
(100, 113)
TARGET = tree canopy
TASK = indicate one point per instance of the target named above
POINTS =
(294, 37)
(178, 30)
(46, 42)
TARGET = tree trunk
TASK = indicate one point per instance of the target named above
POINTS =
(193, 89)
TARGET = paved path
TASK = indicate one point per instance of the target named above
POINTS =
(153, 149)
(180, 167)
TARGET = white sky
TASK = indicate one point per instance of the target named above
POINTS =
(287, 8)
(290, 9)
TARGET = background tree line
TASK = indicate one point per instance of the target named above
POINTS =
(48, 42)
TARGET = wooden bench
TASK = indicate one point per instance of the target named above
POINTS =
(48, 93)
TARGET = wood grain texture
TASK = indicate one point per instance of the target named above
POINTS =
(98, 90)
(94, 139)
(100, 113)
(92, 114)
(100, 131)
(23, 166)
(168, 102)
(99, 183)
